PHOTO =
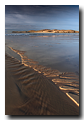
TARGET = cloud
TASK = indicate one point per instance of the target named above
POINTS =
(20, 26)
(41, 15)
(38, 9)
(18, 18)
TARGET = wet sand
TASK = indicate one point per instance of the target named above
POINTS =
(68, 82)
(29, 91)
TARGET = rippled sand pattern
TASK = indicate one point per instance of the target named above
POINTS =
(68, 82)
(31, 93)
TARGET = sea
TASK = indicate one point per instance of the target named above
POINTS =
(55, 55)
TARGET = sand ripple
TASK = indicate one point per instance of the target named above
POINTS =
(66, 81)
(31, 93)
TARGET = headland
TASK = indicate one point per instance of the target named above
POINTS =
(47, 31)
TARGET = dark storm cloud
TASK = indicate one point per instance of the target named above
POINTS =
(49, 16)
(38, 9)
(27, 9)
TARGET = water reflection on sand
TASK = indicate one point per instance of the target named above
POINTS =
(68, 82)
(58, 51)
(55, 56)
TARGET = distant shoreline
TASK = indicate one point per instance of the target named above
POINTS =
(47, 31)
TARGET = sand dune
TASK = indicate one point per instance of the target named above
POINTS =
(47, 31)
(28, 92)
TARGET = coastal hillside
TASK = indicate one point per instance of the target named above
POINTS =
(47, 31)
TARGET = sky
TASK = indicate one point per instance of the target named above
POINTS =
(36, 17)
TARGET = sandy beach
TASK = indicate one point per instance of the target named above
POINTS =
(28, 92)
(42, 60)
